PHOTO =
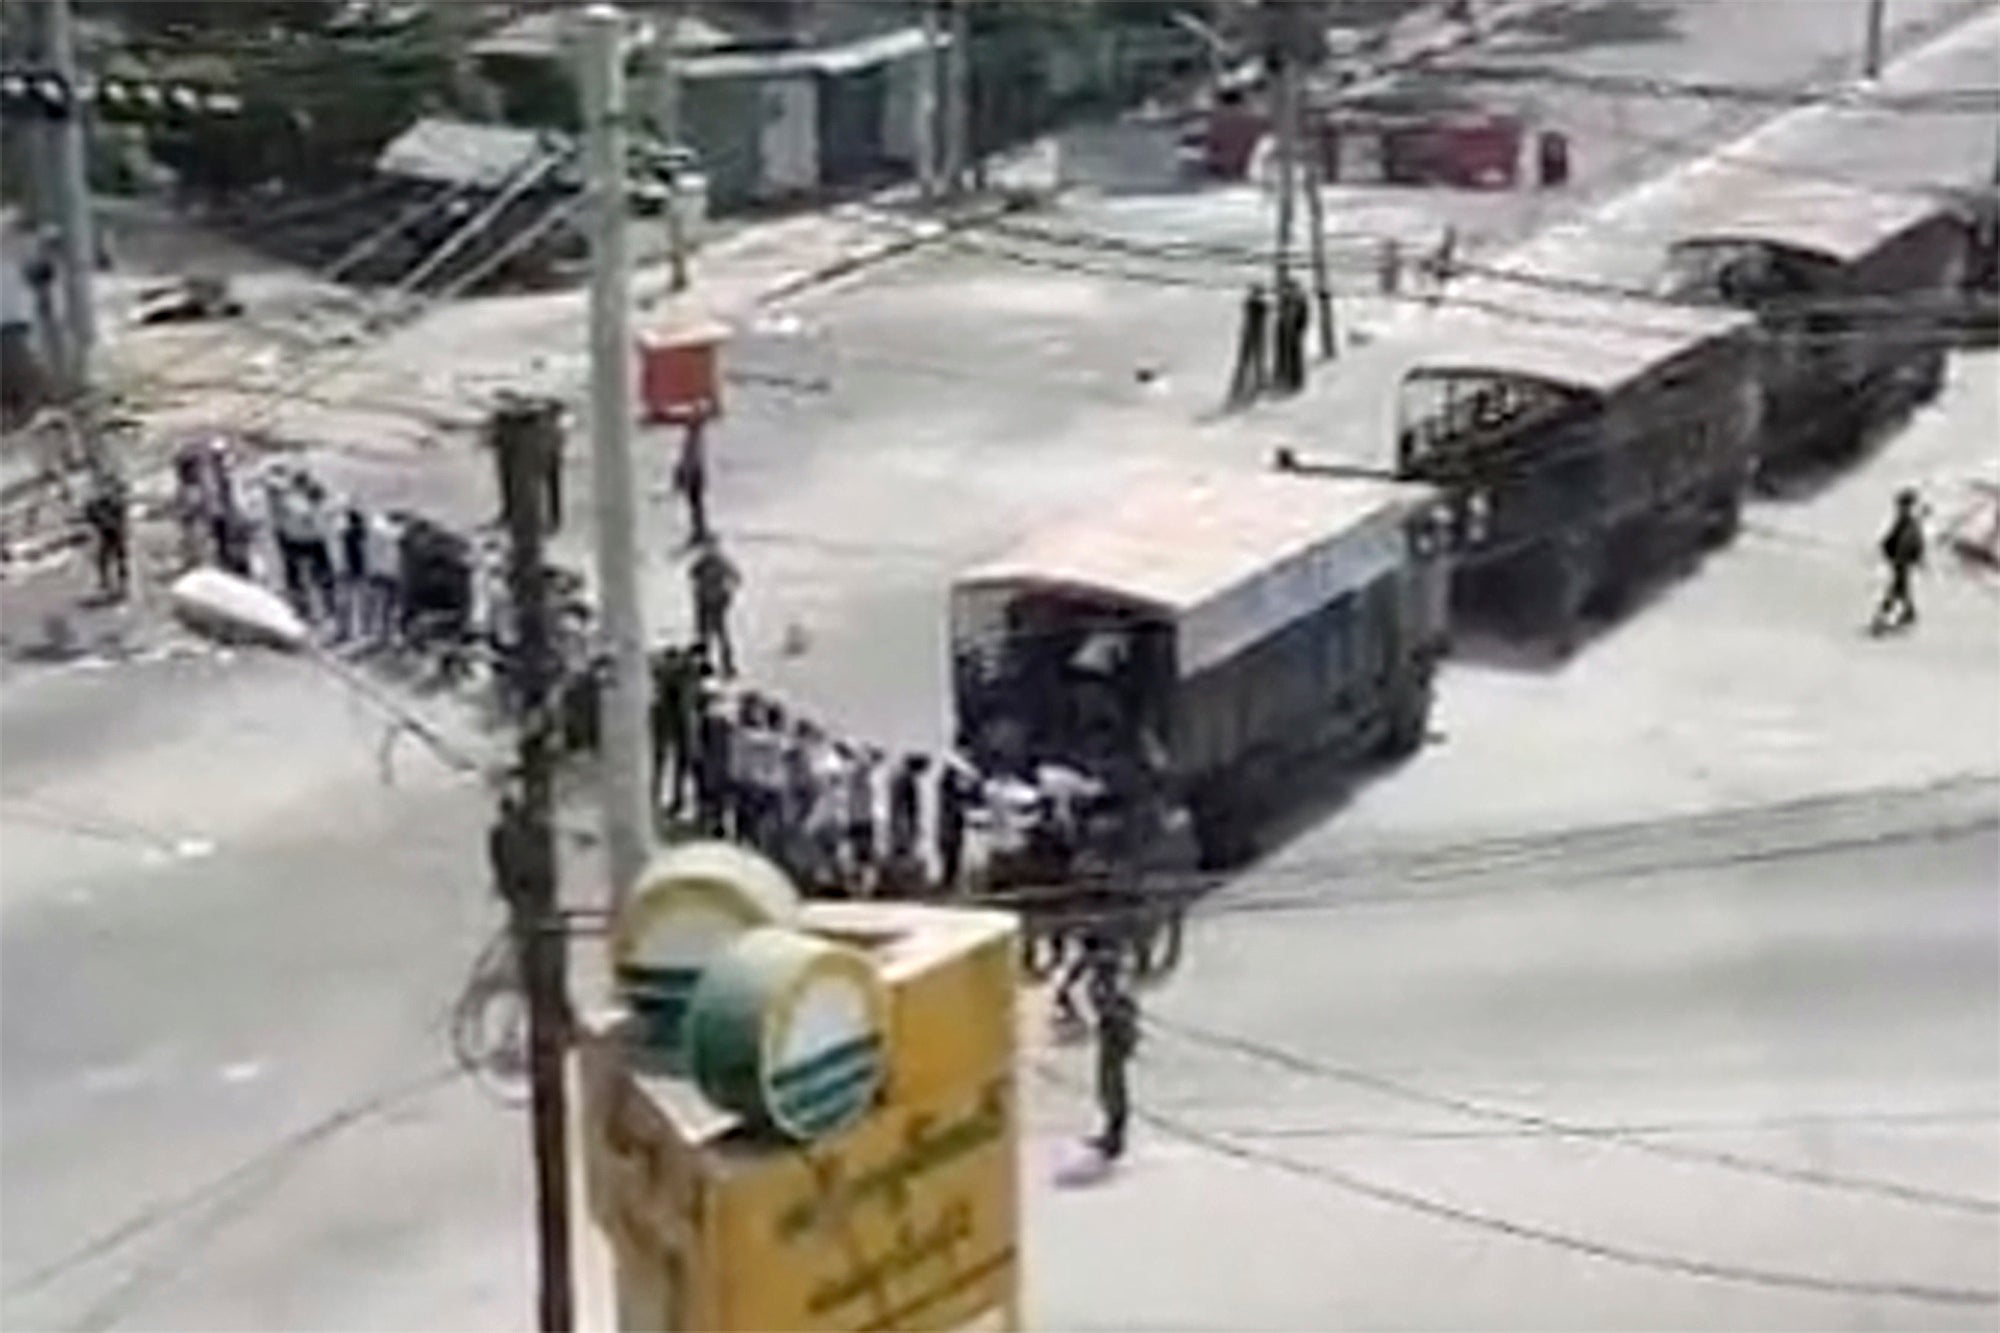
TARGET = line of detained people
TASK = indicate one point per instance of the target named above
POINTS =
(843, 818)
(382, 576)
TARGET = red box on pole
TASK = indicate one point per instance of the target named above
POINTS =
(679, 374)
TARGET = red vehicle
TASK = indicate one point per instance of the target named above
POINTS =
(1468, 152)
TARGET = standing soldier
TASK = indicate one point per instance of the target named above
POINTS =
(1117, 1038)
(905, 818)
(1903, 551)
(669, 719)
(691, 480)
(714, 582)
(1294, 318)
(1252, 375)
(955, 793)
(106, 513)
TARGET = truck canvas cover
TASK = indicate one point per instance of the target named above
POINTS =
(1843, 223)
(1589, 343)
(1226, 558)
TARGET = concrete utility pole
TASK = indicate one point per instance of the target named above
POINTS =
(1871, 60)
(928, 83)
(1285, 126)
(523, 434)
(1329, 343)
(623, 775)
(664, 66)
(958, 122)
(72, 204)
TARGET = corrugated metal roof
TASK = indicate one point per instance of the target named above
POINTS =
(545, 35)
(1583, 342)
(847, 58)
(1174, 545)
(458, 152)
(1842, 222)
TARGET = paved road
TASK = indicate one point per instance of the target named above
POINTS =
(227, 947)
(1787, 1066)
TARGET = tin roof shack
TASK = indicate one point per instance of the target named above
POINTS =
(777, 103)
(909, 1220)
(484, 204)
(1859, 292)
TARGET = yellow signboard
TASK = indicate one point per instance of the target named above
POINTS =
(909, 1219)
(909, 1222)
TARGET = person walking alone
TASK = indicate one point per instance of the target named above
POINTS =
(691, 481)
(714, 581)
(108, 516)
(1117, 1014)
(1903, 551)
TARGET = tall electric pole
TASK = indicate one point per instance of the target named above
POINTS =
(1284, 117)
(1305, 43)
(524, 434)
(958, 98)
(1871, 60)
(1329, 343)
(663, 67)
(928, 83)
(72, 202)
(624, 767)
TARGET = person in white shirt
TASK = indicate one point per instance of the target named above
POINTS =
(383, 548)
(826, 816)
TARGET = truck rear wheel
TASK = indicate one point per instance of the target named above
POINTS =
(1409, 719)
(1221, 828)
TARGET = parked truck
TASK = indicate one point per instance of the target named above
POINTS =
(1582, 442)
(1860, 293)
(1192, 644)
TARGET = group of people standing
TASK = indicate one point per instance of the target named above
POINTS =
(343, 567)
(844, 818)
(1271, 348)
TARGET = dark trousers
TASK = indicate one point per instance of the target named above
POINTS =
(673, 761)
(552, 491)
(320, 579)
(697, 503)
(1252, 374)
(1114, 1099)
(114, 566)
(712, 631)
(711, 801)
(1898, 607)
(292, 563)
(861, 844)
(951, 855)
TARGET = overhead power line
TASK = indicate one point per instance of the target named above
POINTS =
(1488, 1223)
(1282, 1058)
